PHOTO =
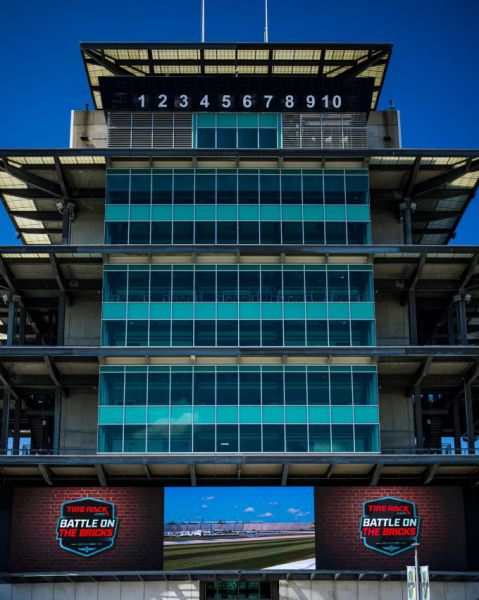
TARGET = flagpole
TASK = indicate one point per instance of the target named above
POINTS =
(203, 21)
(266, 32)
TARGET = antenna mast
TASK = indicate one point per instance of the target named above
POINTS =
(266, 31)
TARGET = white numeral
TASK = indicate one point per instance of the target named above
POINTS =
(289, 102)
(226, 101)
(162, 98)
(205, 101)
(310, 101)
(337, 101)
(268, 100)
(141, 100)
(247, 101)
(183, 103)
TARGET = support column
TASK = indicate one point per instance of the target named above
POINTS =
(412, 317)
(11, 322)
(418, 417)
(460, 304)
(22, 321)
(405, 207)
(457, 426)
(57, 420)
(68, 215)
(469, 418)
(5, 417)
(451, 336)
(61, 319)
(16, 425)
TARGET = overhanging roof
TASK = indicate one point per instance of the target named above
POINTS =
(328, 60)
(441, 183)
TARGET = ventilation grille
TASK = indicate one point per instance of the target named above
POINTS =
(149, 130)
(324, 130)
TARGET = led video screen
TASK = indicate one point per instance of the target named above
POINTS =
(244, 528)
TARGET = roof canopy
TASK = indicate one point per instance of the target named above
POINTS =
(328, 60)
(34, 183)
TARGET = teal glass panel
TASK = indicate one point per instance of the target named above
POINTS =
(315, 285)
(181, 414)
(362, 333)
(341, 414)
(272, 333)
(205, 334)
(158, 414)
(248, 232)
(338, 290)
(250, 438)
(341, 388)
(250, 414)
(162, 188)
(117, 189)
(204, 438)
(319, 414)
(204, 414)
(342, 438)
(269, 186)
(138, 286)
(110, 438)
(317, 332)
(116, 233)
(248, 213)
(249, 310)
(206, 120)
(292, 213)
(205, 212)
(226, 414)
(183, 213)
(294, 332)
(296, 414)
(110, 415)
(271, 310)
(293, 286)
(134, 439)
(135, 388)
(334, 192)
(271, 284)
(226, 187)
(290, 188)
(273, 414)
(312, 189)
(250, 387)
(335, 213)
(270, 213)
(161, 233)
(363, 310)
(227, 333)
(248, 188)
(140, 188)
(227, 286)
(205, 310)
(183, 310)
(336, 233)
(206, 138)
(247, 120)
(227, 438)
(338, 310)
(361, 286)
(273, 438)
(204, 389)
(226, 213)
(272, 388)
(227, 232)
(135, 414)
(357, 189)
(319, 438)
(181, 389)
(137, 333)
(366, 438)
(296, 438)
(113, 333)
(182, 333)
(181, 438)
(316, 310)
(157, 438)
(161, 213)
(117, 212)
(111, 389)
(295, 387)
(225, 120)
(205, 188)
(160, 310)
(114, 286)
(227, 388)
(138, 310)
(359, 233)
(366, 414)
(357, 213)
(268, 120)
(114, 310)
(139, 213)
(318, 388)
(364, 388)
(183, 188)
(313, 213)
(294, 310)
(227, 310)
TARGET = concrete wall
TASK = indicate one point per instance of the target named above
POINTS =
(88, 226)
(89, 125)
(182, 590)
(396, 417)
(384, 129)
(79, 422)
(392, 320)
(83, 322)
(385, 225)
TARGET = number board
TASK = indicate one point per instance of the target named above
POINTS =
(223, 93)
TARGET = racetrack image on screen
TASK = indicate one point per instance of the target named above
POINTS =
(247, 528)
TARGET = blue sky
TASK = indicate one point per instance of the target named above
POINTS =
(271, 504)
(433, 75)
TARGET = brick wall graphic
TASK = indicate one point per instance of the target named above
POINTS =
(339, 544)
(139, 537)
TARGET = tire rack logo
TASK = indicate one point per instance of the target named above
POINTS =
(87, 526)
(389, 525)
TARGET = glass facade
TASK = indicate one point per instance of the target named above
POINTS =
(236, 130)
(237, 206)
(230, 409)
(238, 305)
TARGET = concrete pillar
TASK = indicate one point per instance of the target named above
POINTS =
(5, 417)
(412, 317)
(11, 322)
(469, 418)
(418, 417)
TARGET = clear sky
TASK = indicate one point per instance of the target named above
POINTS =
(269, 504)
(433, 76)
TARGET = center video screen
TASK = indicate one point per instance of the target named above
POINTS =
(247, 528)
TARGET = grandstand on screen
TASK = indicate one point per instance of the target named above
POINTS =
(235, 528)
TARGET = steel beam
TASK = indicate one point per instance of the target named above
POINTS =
(376, 474)
(11, 322)
(100, 473)
(6, 417)
(57, 420)
(193, 474)
(418, 417)
(46, 474)
(16, 425)
(469, 418)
